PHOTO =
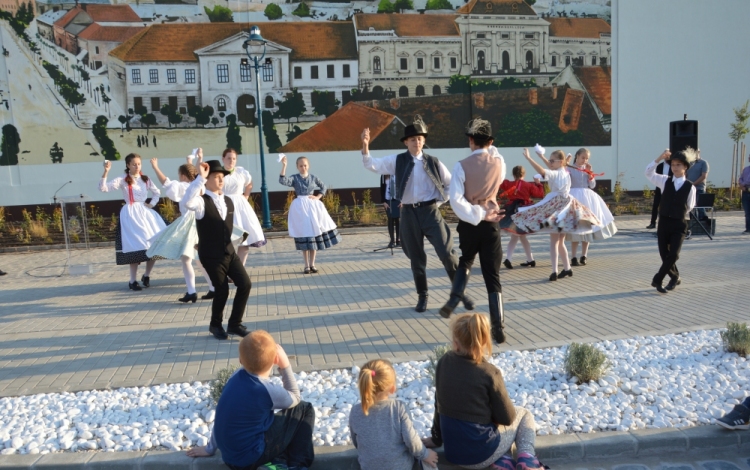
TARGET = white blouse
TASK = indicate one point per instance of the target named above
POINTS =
(175, 190)
(558, 180)
(139, 189)
(235, 183)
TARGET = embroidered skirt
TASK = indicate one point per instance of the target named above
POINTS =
(311, 226)
(559, 213)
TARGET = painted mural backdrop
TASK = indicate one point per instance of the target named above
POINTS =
(86, 81)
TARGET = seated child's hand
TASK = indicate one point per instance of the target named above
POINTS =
(198, 452)
(427, 441)
(432, 458)
(282, 360)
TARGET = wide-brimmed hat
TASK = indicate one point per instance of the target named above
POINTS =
(479, 128)
(215, 166)
(687, 157)
(417, 128)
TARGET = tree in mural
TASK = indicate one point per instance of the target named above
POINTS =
(99, 130)
(56, 153)
(296, 131)
(219, 14)
(324, 103)
(518, 129)
(302, 10)
(123, 121)
(175, 118)
(385, 6)
(439, 5)
(273, 12)
(10, 145)
(273, 142)
(463, 84)
(234, 139)
(148, 120)
(292, 107)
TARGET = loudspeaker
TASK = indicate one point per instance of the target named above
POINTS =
(683, 134)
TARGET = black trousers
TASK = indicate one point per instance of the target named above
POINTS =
(670, 234)
(289, 437)
(484, 240)
(418, 223)
(218, 270)
(655, 207)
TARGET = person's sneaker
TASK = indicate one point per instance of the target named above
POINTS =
(528, 462)
(505, 462)
(738, 418)
(274, 466)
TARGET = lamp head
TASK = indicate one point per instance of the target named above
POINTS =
(255, 39)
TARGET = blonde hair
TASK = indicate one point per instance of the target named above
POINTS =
(560, 155)
(257, 351)
(471, 335)
(376, 376)
(301, 158)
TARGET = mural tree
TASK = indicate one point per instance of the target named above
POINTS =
(302, 10)
(292, 107)
(324, 103)
(219, 14)
(99, 130)
(518, 129)
(439, 5)
(10, 145)
(296, 131)
(148, 120)
(273, 142)
(463, 84)
(234, 139)
(273, 12)
(56, 153)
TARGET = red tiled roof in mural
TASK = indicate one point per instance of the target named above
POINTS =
(497, 7)
(177, 42)
(97, 32)
(67, 17)
(111, 13)
(409, 25)
(341, 130)
(578, 27)
(598, 83)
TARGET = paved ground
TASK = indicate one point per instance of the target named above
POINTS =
(60, 332)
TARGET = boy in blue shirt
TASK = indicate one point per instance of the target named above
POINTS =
(246, 430)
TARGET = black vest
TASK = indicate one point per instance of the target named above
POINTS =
(215, 234)
(674, 204)
(404, 167)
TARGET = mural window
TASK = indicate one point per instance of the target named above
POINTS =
(602, 61)
(567, 60)
(505, 36)
(420, 63)
(189, 75)
(314, 71)
(347, 71)
(346, 96)
(436, 62)
(190, 102)
(481, 35)
(96, 49)
(221, 104)
(153, 75)
(135, 74)
(269, 102)
(419, 91)
(376, 65)
(454, 63)
(528, 36)
(330, 71)
(172, 75)
(554, 61)
(436, 89)
(222, 73)
(403, 92)
(582, 59)
(155, 105)
(297, 73)
(404, 63)
(268, 72)
(245, 72)
(137, 103)
(593, 60)
(529, 59)
(173, 103)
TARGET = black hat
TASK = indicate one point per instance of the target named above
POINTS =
(479, 128)
(215, 166)
(417, 128)
(687, 157)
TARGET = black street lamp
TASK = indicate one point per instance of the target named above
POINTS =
(255, 48)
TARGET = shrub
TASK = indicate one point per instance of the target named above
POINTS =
(217, 385)
(647, 192)
(736, 338)
(168, 210)
(2, 218)
(273, 12)
(332, 201)
(437, 353)
(290, 196)
(617, 192)
(585, 361)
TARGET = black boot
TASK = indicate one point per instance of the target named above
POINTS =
(459, 280)
(450, 306)
(497, 317)
(421, 283)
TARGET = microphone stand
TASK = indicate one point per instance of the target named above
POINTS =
(54, 197)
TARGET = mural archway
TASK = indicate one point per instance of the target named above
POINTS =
(246, 109)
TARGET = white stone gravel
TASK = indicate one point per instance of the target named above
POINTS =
(664, 381)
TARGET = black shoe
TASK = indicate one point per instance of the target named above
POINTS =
(553, 277)
(146, 281)
(469, 304)
(210, 295)
(574, 262)
(313, 270)
(238, 330)
(398, 243)
(189, 298)
(447, 309)
(421, 304)
(565, 273)
(582, 260)
(658, 287)
(307, 270)
(2, 273)
(218, 332)
(134, 285)
(673, 283)
(392, 244)
(508, 264)
(531, 264)
(651, 226)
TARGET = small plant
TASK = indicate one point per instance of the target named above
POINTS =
(585, 361)
(647, 192)
(38, 229)
(57, 219)
(617, 211)
(2, 219)
(113, 222)
(290, 196)
(736, 338)
(600, 191)
(437, 353)
(633, 208)
(97, 220)
(41, 216)
(217, 385)
(332, 201)
(617, 192)
(168, 210)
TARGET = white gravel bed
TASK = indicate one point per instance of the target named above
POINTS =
(656, 382)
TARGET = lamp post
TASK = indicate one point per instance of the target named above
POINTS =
(255, 48)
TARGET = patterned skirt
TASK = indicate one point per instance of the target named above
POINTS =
(130, 257)
(560, 213)
(311, 226)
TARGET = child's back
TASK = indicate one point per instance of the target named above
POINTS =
(385, 438)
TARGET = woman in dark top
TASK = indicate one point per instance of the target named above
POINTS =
(474, 418)
(519, 194)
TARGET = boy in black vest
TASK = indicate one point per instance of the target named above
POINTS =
(677, 200)
(214, 214)
(422, 183)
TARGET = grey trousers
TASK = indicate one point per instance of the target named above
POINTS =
(418, 223)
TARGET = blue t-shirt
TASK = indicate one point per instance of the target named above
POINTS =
(695, 171)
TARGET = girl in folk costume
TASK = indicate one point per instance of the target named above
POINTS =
(519, 193)
(558, 213)
(309, 223)
(138, 221)
(582, 183)
(392, 208)
(237, 186)
(179, 239)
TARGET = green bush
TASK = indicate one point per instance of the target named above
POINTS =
(437, 353)
(736, 338)
(585, 361)
(217, 385)
(273, 12)
(302, 10)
